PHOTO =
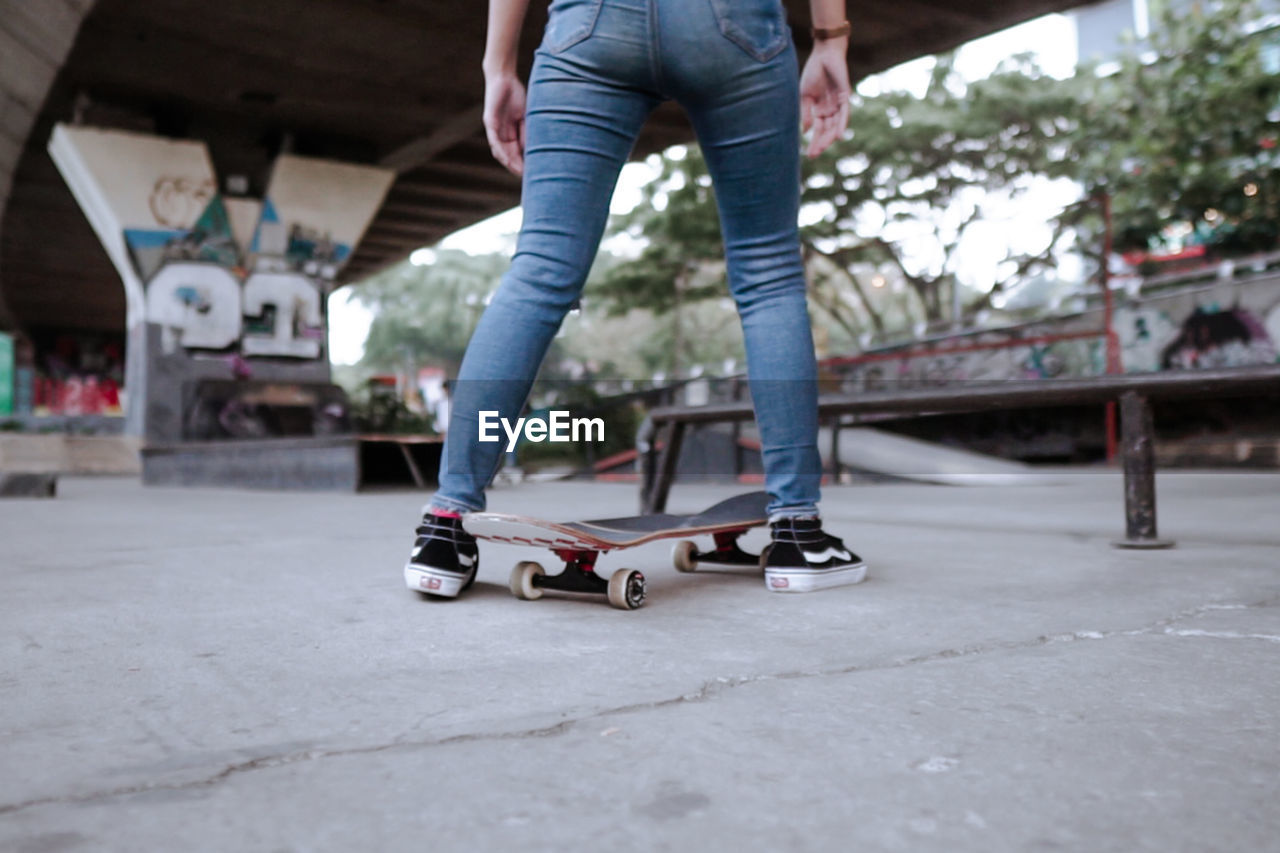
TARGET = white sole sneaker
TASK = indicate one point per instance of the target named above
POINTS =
(437, 582)
(782, 579)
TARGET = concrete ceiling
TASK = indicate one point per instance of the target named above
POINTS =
(395, 82)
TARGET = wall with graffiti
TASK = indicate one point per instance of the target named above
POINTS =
(1046, 350)
(1229, 323)
(1225, 324)
(218, 286)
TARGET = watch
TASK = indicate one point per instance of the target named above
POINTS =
(823, 33)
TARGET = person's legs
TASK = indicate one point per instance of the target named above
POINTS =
(582, 120)
(740, 87)
(587, 100)
(746, 113)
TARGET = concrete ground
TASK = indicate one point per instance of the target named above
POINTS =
(219, 670)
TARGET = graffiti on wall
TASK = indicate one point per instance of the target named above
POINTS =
(221, 273)
(989, 358)
(200, 306)
(1228, 324)
(191, 223)
(1214, 338)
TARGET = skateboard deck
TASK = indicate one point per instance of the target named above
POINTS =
(578, 543)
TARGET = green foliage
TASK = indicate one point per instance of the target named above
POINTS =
(1185, 131)
(681, 265)
(376, 409)
(426, 314)
(918, 170)
(683, 260)
(908, 160)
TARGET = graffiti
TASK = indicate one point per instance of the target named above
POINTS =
(176, 202)
(256, 409)
(204, 306)
(197, 291)
(1190, 329)
(1142, 333)
(191, 233)
(296, 321)
(1182, 329)
(217, 287)
(315, 253)
(281, 246)
(194, 223)
(76, 396)
(993, 363)
(1212, 338)
(197, 306)
(162, 196)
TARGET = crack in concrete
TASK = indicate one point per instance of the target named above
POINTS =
(1223, 635)
(709, 689)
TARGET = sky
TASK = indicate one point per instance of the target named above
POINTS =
(1052, 39)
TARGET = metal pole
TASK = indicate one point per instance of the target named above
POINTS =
(1137, 434)
(656, 501)
(1111, 342)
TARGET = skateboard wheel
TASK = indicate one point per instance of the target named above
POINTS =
(521, 582)
(682, 556)
(626, 589)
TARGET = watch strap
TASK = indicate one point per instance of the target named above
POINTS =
(824, 33)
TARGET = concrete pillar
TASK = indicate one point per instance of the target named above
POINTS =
(220, 289)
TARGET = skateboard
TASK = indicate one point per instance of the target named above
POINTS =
(579, 543)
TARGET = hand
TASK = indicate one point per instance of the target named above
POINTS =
(824, 94)
(504, 105)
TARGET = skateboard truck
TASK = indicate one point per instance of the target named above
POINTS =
(686, 557)
(625, 588)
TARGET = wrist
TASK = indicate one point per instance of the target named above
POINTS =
(838, 45)
(503, 67)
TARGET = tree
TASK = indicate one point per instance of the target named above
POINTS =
(914, 171)
(901, 191)
(682, 262)
(1185, 131)
(426, 314)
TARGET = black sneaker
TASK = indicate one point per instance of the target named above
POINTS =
(803, 558)
(444, 559)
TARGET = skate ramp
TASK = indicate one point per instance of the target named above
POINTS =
(878, 452)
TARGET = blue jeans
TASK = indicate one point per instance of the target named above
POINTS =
(602, 67)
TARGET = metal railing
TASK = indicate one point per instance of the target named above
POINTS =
(1134, 392)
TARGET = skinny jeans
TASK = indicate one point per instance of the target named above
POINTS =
(601, 69)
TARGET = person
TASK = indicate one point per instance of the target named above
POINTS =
(601, 68)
